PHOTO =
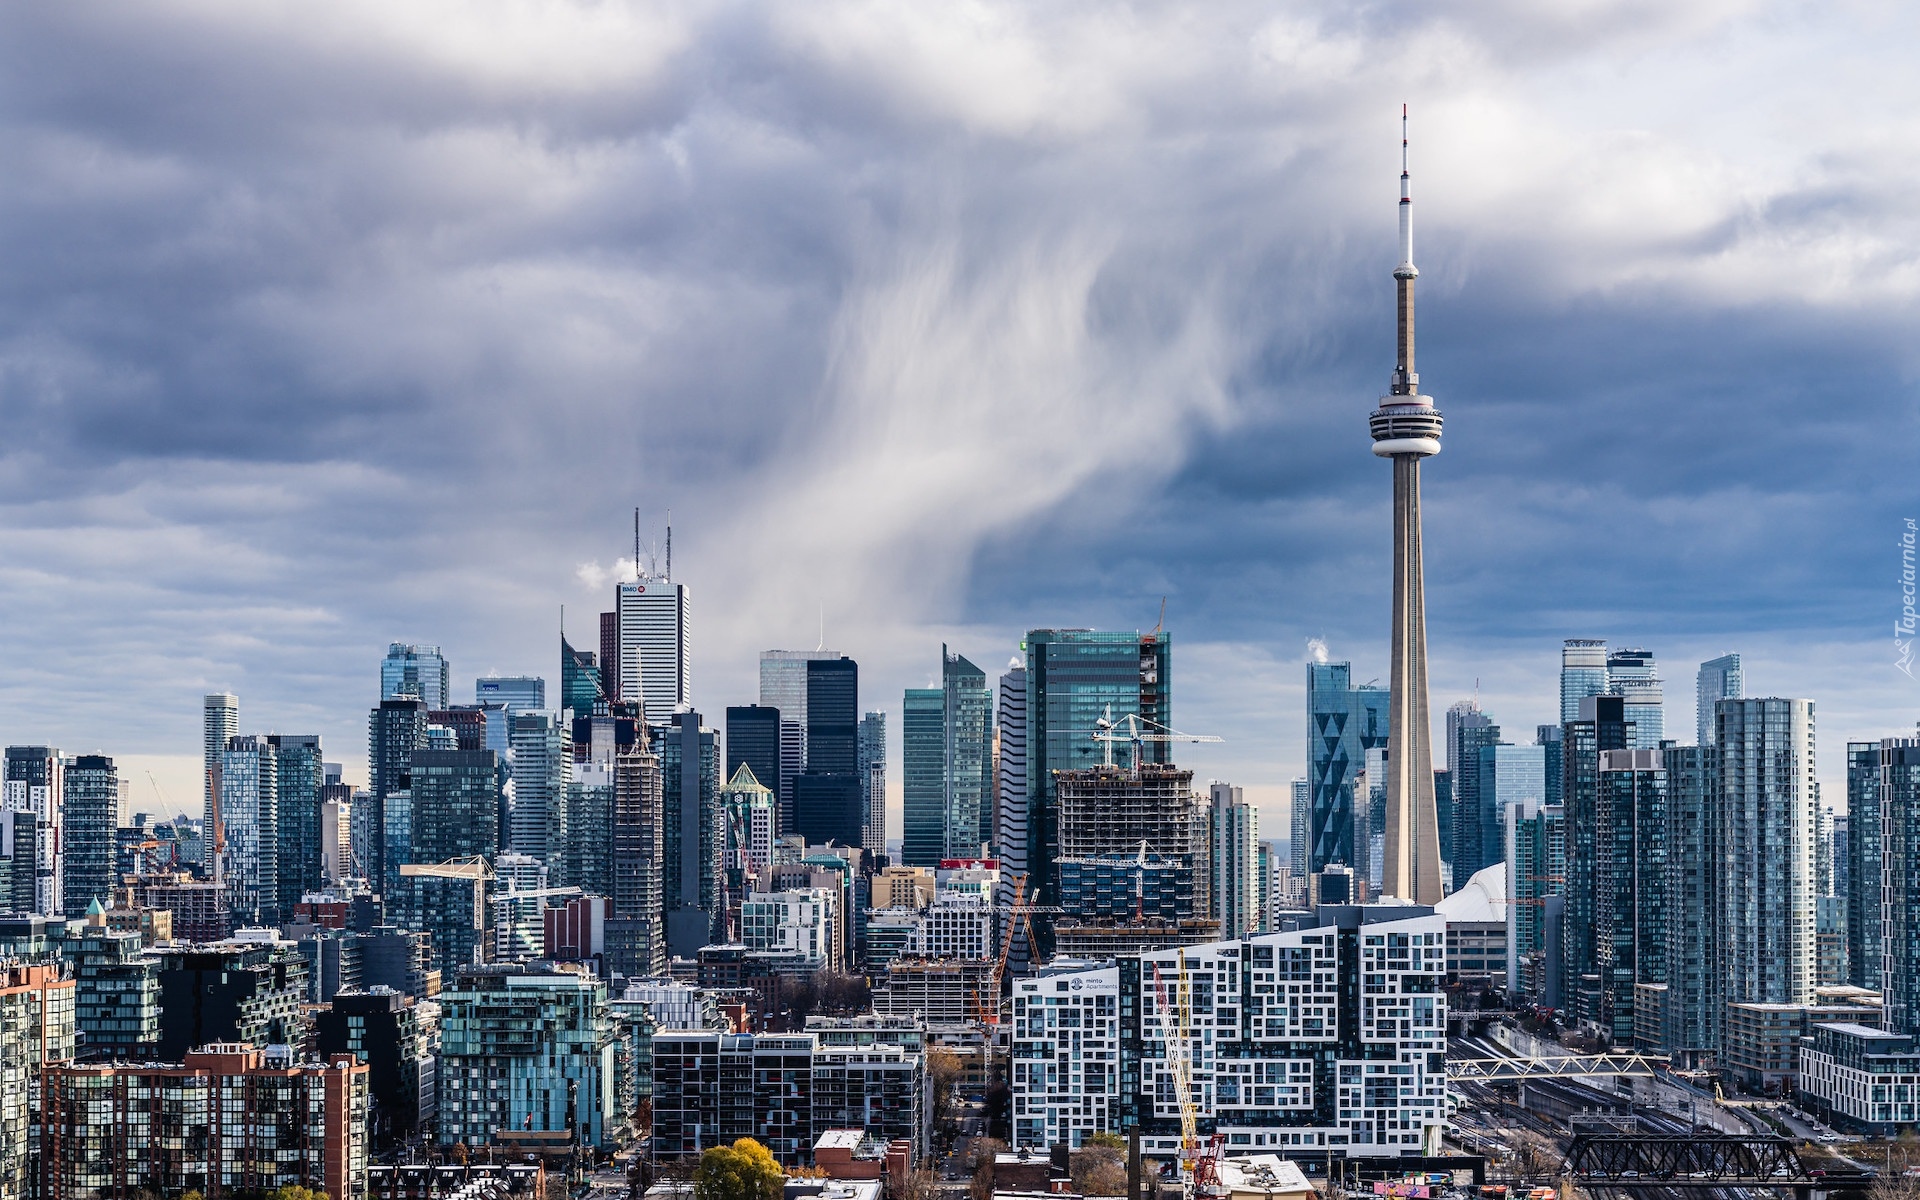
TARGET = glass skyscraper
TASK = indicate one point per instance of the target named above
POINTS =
(91, 804)
(1343, 723)
(1694, 986)
(302, 781)
(1769, 796)
(1864, 952)
(923, 760)
(516, 693)
(580, 683)
(1476, 823)
(967, 737)
(456, 805)
(1583, 673)
(1719, 679)
(1632, 675)
(872, 769)
(1507, 775)
(695, 832)
(417, 671)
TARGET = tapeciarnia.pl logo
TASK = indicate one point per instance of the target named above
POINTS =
(1903, 629)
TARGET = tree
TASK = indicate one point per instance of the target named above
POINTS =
(743, 1171)
(294, 1191)
(920, 1185)
(984, 1151)
(1098, 1169)
(944, 1068)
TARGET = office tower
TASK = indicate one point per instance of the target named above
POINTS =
(542, 747)
(1010, 805)
(456, 805)
(1633, 676)
(1630, 885)
(694, 845)
(1719, 679)
(783, 686)
(416, 671)
(1475, 823)
(1899, 805)
(753, 739)
(1583, 673)
(300, 789)
(750, 809)
(1507, 775)
(515, 693)
(384, 1030)
(609, 655)
(580, 684)
(828, 809)
(453, 904)
(833, 716)
(872, 770)
(1405, 429)
(1235, 860)
(395, 730)
(1600, 726)
(220, 720)
(1074, 678)
(1768, 797)
(564, 1066)
(90, 804)
(1536, 852)
(1547, 737)
(1694, 865)
(923, 840)
(250, 823)
(1343, 723)
(655, 664)
(1864, 887)
(1127, 1085)
(636, 931)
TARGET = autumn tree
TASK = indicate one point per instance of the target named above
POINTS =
(743, 1171)
(1098, 1169)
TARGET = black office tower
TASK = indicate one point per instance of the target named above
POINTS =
(753, 738)
(833, 717)
(827, 808)
(395, 731)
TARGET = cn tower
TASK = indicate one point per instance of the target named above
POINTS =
(1406, 429)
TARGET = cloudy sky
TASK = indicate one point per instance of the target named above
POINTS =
(325, 327)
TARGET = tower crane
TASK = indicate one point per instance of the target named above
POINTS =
(1138, 730)
(1199, 1163)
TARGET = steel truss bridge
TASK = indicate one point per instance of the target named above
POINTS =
(1643, 1165)
(1513, 1070)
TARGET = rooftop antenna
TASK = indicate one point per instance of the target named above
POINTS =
(823, 626)
(636, 543)
(669, 544)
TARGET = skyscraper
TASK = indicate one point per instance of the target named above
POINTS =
(655, 663)
(33, 785)
(1074, 677)
(1899, 794)
(1583, 673)
(1299, 814)
(91, 807)
(580, 683)
(753, 738)
(1632, 675)
(220, 721)
(694, 835)
(515, 693)
(784, 678)
(1010, 804)
(250, 821)
(969, 782)
(1343, 723)
(923, 760)
(1235, 860)
(636, 931)
(456, 805)
(417, 671)
(1630, 883)
(1476, 826)
(1600, 727)
(395, 730)
(542, 767)
(1405, 429)
(1719, 679)
(1508, 775)
(1768, 797)
(302, 782)
(872, 769)
(1864, 951)
(1694, 984)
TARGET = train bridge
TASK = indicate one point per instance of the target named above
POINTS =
(1646, 1166)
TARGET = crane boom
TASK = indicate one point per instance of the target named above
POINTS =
(1104, 731)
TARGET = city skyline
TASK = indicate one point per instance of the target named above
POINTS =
(188, 425)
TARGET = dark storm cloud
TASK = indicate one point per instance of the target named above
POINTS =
(319, 328)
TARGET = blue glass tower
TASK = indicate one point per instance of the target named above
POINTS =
(1343, 723)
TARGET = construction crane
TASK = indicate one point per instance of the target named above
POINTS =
(1139, 730)
(1020, 912)
(1199, 1163)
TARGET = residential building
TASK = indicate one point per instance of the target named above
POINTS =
(456, 805)
(1695, 997)
(233, 991)
(387, 1031)
(452, 902)
(34, 786)
(1760, 1046)
(90, 804)
(546, 1031)
(520, 925)
(1865, 953)
(871, 767)
(1126, 836)
(1629, 877)
(903, 887)
(1536, 854)
(300, 786)
(116, 991)
(1600, 726)
(220, 720)
(1718, 679)
(231, 1120)
(37, 1036)
(1474, 825)
(1317, 1073)
(1507, 775)
(1768, 795)
(1899, 809)
(249, 779)
(542, 746)
(1583, 673)
(803, 922)
(1343, 723)
(1011, 830)
(395, 730)
(1299, 826)
(636, 929)
(1234, 860)
(413, 671)
(1860, 1078)
(967, 779)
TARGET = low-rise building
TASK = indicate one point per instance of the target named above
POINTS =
(940, 991)
(1760, 1049)
(116, 992)
(1861, 1078)
(799, 921)
(231, 1120)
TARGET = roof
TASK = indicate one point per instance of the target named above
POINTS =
(1484, 898)
(1266, 1173)
(839, 1139)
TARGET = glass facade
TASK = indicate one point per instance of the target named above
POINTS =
(91, 804)
(516, 693)
(695, 832)
(968, 749)
(1767, 787)
(1900, 919)
(416, 671)
(1343, 723)
(580, 684)
(1475, 825)
(923, 754)
(1583, 673)
(1864, 894)
(1719, 679)
(302, 782)
(456, 805)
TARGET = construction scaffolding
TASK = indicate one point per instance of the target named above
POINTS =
(1110, 811)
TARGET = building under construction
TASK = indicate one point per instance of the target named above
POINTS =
(1131, 873)
(1109, 811)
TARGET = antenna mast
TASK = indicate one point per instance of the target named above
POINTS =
(669, 544)
(636, 543)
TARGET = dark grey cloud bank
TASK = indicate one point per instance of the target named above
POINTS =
(318, 330)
